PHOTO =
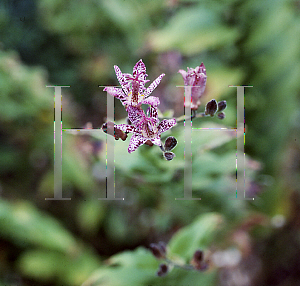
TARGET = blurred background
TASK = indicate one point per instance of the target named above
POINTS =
(89, 242)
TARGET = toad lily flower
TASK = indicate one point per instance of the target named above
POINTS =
(145, 127)
(196, 78)
(133, 91)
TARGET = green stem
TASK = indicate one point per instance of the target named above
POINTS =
(182, 266)
(182, 118)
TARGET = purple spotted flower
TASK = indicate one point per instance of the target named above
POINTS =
(133, 91)
(145, 126)
(196, 78)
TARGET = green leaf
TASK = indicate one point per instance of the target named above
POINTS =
(127, 268)
(90, 215)
(193, 30)
(44, 265)
(25, 225)
(198, 235)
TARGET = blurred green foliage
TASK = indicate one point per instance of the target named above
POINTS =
(103, 243)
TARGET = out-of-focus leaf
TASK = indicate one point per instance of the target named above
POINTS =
(198, 235)
(117, 226)
(193, 30)
(90, 214)
(139, 268)
(75, 167)
(126, 269)
(23, 224)
(69, 270)
(265, 26)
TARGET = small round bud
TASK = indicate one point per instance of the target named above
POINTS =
(222, 105)
(211, 108)
(169, 156)
(163, 247)
(221, 115)
(157, 251)
(163, 270)
(198, 256)
(197, 259)
(170, 143)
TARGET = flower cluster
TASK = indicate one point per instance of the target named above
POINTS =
(159, 250)
(146, 128)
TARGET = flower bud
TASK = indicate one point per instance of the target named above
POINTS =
(169, 156)
(170, 143)
(221, 115)
(196, 78)
(163, 247)
(163, 270)
(222, 105)
(211, 108)
(157, 251)
(198, 256)
(198, 261)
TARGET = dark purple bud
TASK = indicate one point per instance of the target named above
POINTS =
(221, 115)
(198, 261)
(157, 251)
(163, 247)
(222, 105)
(163, 270)
(198, 256)
(211, 108)
(169, 156)
(170, 143)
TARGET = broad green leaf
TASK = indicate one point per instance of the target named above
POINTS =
(197, 235)
(193, 30)
(90, 215)
(70, 270)
(125, 269)
(25, 226)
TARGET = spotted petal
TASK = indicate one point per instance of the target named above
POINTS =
(136, 141)
(151, 100)
(139, 68)
(153, 85)
(116, 92)
(186, 77)
(135, 114)
(156, 140)
(121, 78)
(152, 112)
(126, 128)
(199, 83)
(165, 125)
